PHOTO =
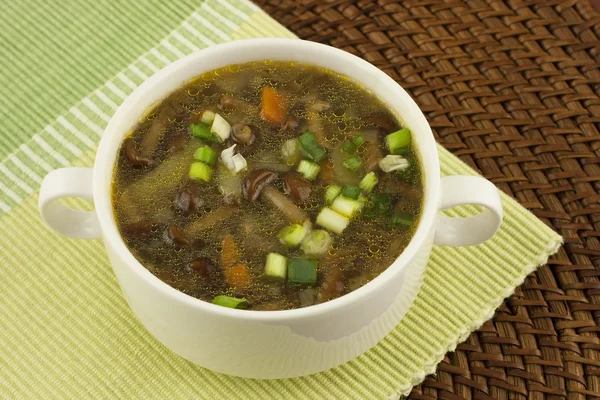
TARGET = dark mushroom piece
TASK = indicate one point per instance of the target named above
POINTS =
(242, 134)
(133, 156)
(202, 266)
(297, 187)
(256, 181)
(188, 200)
(333, 285)
(383, 121)
(175, 235)
(178, 142)
(291, 123)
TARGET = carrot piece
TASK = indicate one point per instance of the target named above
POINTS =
(237, 276)
(230, 254)
(274, 105)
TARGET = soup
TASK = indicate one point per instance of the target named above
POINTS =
(268, 186)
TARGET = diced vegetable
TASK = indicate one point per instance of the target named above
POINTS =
(293, 235)
(351, 146)
(202, 131)
(276, 266)
(302, 271)
(290, 151)
(401, 219)
(368, 182)
(345, 206)
(316, 242)
(351, 192)
(231, 302)
(230, 185)
(310, 146)
(331, 220)
(221, 128)
(237, 276)
(206, 155)
(332, 192)
(274, 105)
(234, 162)
(200, 172)
(353, 163)
(230, 253)
(307, 297)
(208, 117)
(380, 205)
(309, 169)
(398, 142)
(392, 162)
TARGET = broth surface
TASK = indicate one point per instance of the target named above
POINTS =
(182, 229)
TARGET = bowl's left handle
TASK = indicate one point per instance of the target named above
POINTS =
(69, 182)
(461, 190)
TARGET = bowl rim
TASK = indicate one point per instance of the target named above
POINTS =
(107, 152)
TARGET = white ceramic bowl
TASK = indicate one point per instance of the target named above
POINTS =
(271, 344)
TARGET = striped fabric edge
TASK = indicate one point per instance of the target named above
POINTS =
(80, 128)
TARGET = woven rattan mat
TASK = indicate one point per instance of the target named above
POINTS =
(513, 89)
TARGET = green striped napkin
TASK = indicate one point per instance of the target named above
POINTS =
(65, 329)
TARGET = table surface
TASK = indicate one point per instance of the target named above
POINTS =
(513, 89)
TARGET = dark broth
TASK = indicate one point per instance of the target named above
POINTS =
(157, 207)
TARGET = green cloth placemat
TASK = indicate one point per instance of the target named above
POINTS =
(65, 329)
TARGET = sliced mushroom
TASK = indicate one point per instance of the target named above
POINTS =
(229, 102)
(297, 187)
(133, 156)
(256, 181)
(188, 200)
(178, 142)
(291, 123)
(197, 227)
(242, 134)
(291, 212)
(139, 228)
(175, 235)
(333, 285)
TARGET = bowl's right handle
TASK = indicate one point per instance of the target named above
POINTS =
(68, 182)
(457, 190)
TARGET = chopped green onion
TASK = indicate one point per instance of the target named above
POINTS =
(331, 220)
(392, 162)
(290, 151)
(351, 146)
(380, 205)
(316, 243)
(311, 147)
(276, 266)
(292, 235)
(208, 117)
(231, 302)
(206, 155)
(353, 163)
(401, 219)
(399, 141)
(332, 192)
(345, 206)
(368, 182)
(202, 131)
(302, 271)
(351, 192)
(200, 171)
(234, 162)
(221, 128)
(309, 169)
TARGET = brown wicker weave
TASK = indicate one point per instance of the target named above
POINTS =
(513, 89)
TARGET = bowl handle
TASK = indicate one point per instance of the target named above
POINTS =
(69, 182)
(457, 190)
